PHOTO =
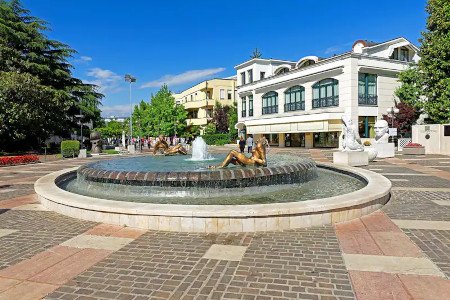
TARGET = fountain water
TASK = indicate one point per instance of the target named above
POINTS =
(200, 150)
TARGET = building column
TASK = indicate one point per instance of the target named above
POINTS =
(309, 140)
(281, 140)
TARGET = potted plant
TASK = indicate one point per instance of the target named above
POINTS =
(413, 149)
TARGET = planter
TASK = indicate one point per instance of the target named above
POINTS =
(413, 150)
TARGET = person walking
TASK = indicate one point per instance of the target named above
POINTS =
(242, 144)
(249, 144)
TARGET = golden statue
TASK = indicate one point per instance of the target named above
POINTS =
(258, 157)
(162, 147)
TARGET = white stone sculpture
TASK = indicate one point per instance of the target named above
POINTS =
(372, 152)
(421, 119)
(351, 140)
(381, 132)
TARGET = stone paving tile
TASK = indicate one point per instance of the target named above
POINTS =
(413, 205)
(17, 190)
(36, 232)
(420, 181)
(289, 265)
(436, 245)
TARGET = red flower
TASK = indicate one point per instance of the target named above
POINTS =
(413, 145)
(16, 160)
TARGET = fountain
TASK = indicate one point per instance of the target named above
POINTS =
(200, 150)
(242, 194)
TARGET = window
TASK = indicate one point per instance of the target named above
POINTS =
(282, 71)
(326, 93)
(262, 75)
(250, 106)
(208, 113)
(242, 78)
(222, 94)
(208, 95)
(193, 114)
(250, 76)
(367, 89)
(192, 97)
(244, 107)
(366, 127)
(401, 54)
(294, 98)
(229, 94)
(270, 103)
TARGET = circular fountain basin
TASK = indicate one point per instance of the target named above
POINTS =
(281, 183)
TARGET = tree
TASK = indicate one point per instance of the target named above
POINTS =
(410, 90)
(232, 120)
(112, 129)
(160, 116)
(27, 113)
(220, 118)
(434, 64)
(256, 54)
(405, 118)
(24, 49)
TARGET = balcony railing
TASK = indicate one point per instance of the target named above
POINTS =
(270, 110)
(294, 106)
(326, 102)
(368, 100)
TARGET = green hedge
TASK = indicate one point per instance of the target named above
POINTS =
(70, 148)
(218, 139)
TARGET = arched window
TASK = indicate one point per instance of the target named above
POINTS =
(326, 93)
(270, 103)
(294, 98)
(282, 71)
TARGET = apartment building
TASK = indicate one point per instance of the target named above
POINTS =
(300, 103)
(200, 99)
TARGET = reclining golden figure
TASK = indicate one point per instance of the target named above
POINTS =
(162, 147)
(258, 157)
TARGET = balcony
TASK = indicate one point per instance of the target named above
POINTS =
(294, 106)
(197, 121)
(199, 103)
(368, 100)
(325, 102)
(270, 110)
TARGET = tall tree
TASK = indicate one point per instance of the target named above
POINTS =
(232, 120)
(256, 53)
(404, 119)
(220, 118)
(25, 49)
(410, 91)
(434, 64)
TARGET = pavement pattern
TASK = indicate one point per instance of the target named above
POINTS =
(399, 252)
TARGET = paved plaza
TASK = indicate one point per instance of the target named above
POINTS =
(399, 252)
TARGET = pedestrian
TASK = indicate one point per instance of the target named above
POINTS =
(249, 144)
(242, 144)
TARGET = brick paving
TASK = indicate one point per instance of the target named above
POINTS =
(297, 264)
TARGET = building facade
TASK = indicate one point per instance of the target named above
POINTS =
(300, 104)
(200, 99)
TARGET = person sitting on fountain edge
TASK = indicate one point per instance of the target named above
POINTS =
(258, 157)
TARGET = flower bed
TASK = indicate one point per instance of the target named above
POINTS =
(18, 160)
(413, 149)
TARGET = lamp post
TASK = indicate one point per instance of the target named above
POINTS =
(392, 111)
(80, 116)
(130, 79)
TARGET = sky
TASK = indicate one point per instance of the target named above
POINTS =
(182, 42)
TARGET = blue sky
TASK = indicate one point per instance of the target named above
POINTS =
(184, 42)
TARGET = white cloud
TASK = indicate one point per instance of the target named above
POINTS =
(120, 110)
(185, 77)
(337, 48)
(83, 59)
(106, 80)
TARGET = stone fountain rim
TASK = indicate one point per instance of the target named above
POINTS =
(378, 187)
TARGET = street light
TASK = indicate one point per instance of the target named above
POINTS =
(81, 116)
(392, 111)
(130, 79)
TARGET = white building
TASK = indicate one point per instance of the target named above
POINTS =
(301, 103)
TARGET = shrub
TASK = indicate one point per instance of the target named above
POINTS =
(367, 143)
(218, 139)
(413, 145)
(70, 148)
(17, 160)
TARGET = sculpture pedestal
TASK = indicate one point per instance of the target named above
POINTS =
(131, 149)
(385, 150)
(352, 159)
(82, 154)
